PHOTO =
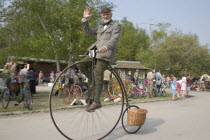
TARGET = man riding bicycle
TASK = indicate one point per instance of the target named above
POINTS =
(107, 36)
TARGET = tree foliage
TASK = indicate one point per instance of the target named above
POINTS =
(179, 52)
(48, 28)
(52, 29)
(132, 40)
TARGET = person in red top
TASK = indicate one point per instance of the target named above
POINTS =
(40, 77)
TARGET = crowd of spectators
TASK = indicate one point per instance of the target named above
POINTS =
(11, 75)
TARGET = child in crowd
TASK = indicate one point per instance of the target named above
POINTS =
(52, 76)
(183, 86)
(178, 84)
(188, 86)
(194, 86)
(173, 87)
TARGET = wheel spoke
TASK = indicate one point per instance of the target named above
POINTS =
(73, 121)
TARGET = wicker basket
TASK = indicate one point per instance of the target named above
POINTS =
(136, 117)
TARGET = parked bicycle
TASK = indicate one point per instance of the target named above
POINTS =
(161, 92)
(139, 91)
(114, 91)
(20, 92)
(67, 89)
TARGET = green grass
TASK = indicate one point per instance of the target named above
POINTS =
(40, 101)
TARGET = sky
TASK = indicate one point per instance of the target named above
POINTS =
(188, 16)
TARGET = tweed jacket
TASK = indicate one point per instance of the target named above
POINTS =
(105, 37)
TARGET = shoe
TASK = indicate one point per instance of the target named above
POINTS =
(89, 102)
(93, 107)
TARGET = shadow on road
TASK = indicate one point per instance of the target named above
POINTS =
(150, 126)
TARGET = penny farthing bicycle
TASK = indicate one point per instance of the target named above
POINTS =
(68, 113)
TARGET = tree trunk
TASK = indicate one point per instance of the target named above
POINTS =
(57, 63)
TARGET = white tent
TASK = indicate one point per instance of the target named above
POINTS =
(206, 76)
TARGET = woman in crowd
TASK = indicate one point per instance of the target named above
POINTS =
(40, 77)
(6, 71)
(183, 86)
(178, 85)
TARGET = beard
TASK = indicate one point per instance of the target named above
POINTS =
(106, 20)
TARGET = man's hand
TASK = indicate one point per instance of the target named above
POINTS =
(86, 14)
(102, 49)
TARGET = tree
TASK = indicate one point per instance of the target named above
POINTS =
(182, 53)
(132, 39)
(50, 28)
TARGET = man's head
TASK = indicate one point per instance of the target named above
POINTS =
(106, 14)
(12, 75)
(151, 69)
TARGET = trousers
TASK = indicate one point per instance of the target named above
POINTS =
(100, 67)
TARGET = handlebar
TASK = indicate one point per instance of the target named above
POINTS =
(82, 55)
(91, 54)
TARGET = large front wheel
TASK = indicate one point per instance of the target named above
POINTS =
(68, 110)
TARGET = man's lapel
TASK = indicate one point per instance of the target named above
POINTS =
(102, 29)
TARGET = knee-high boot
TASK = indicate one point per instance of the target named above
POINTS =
(98, 89)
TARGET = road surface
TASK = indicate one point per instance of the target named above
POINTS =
(186, 119)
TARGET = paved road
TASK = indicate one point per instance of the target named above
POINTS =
(186, 119)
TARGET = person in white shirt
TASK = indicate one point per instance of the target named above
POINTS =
(150, 78)
(24, 71)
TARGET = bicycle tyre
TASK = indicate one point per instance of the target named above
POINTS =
(163, 93)
(73, 122)
(76, 90)
(135, 96)
(154, 92)
(144, 94)
(28, 99)
(5, 98)
(128, 128)
(128, 87)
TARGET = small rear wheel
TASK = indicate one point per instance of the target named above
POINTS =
(129, 128)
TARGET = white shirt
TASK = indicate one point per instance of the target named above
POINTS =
(24, 71)
(150, 76)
